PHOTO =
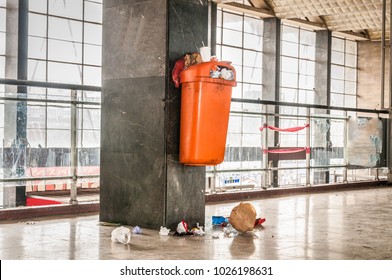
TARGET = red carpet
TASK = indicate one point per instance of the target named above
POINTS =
(33, 201)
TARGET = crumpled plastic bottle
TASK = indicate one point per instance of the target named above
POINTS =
(121, 235)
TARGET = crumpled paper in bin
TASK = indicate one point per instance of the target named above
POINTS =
(121, 235)
(242, 217)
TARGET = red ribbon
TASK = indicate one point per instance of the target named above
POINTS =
(290, 129)
(286, 151)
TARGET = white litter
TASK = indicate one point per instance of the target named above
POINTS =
(164, 231)
(121, 235)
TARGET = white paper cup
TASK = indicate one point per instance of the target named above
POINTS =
(205, 53)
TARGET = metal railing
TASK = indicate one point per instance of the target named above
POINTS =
(75, 102)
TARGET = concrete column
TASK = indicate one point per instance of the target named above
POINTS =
(15, 113)
(271, 78)
(322, 93)
(142, 182)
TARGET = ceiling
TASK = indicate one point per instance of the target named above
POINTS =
(360, 19)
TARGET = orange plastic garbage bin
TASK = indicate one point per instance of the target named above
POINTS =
(205, 107)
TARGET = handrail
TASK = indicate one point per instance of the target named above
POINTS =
(314, 106)
(16, 82)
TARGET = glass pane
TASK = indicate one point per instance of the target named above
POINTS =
(93, 34)
(307, 37)
(350, 101)
(290, 34)
(65, 29)
(92, 55)
(350, 87)
(59, 138)
(93, 12)
(39, 6)
(289, 80)
(337, 44)
(65, 51)
(337, 57)
(254, 42)
(59, 117)
(306, 82)
(37, 25)
(337, 86)
(289, 65)
(2, 43)
(36, 116)
(36, 70)
(219, 18)
(252, 91)
(337, 72)
(350, 74)
(251, 140)
(64, 73)
(351, 47)
(251, 125)
(306, 67)
(92, 76)
(252, 75)
(232, 38)
(337, 100)
(2, 20)
(36, 137)
(290, 49)
(253, 26)
(37, 47)
(253, 59)
(91, 138)
(218, 36)
(351, 60)
(67, 8)
(235, 124)
(308, 52)
(91, 119)
(232, 54)
(232, 21)
(2, 67)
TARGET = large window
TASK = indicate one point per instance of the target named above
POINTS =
(343, 73)
(65, 41)
(240, 40)
(64, 46)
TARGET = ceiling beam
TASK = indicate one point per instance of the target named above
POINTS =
(306, 24)
(263, 13)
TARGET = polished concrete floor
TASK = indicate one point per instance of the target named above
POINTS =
(339, 225)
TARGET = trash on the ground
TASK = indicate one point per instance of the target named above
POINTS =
(259, 221)
(121, 235)
(164, 231)
(218, 235)
(243, 217)
(182, 228)
(137, 230)
(198, 230)
(218, 220)
(229, 229)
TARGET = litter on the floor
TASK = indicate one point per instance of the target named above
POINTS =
(137, 230)
(164, 231)
(243, 217)
(121, 235)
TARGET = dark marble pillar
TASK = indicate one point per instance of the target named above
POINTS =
(142, 182)
(271, 79)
